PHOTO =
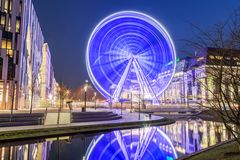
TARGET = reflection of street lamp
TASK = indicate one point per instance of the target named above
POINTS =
(95, 99)
(85, 96)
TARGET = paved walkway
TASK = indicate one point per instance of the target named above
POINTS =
(129, 120)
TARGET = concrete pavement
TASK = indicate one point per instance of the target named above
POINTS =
(129, 120)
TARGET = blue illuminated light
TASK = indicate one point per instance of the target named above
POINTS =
(130, 50)
(145, 144)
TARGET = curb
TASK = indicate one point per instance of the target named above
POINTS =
(49, 131)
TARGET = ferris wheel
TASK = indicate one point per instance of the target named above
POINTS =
(130, 51)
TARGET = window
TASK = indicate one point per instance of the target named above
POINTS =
(20, 8)
(6, 5)
(198, 88)
(9, 24)
(10, 6)
(1, 67)
(9, 44)
(10, 53)
(7, 40)
(18, 23)
(11, 69)
(3, 20)
(4, 43)
(189, 88)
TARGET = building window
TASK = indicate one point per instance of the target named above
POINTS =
(199, 88)
(20, 8)
(1, 67)
(11, 69)
(189, 88)
(18, 24)
(1, 94)
(217, 85)
(4, 43)
(10, 53)
(9, 44)
(9, 24)
(10, 5)
(7, 40)
(6, 6)
(3, 20)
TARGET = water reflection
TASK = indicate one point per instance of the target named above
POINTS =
(148, 143)
(32, 151)
(166, 142)
(189, 136)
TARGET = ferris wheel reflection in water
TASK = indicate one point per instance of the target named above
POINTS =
(149, 143)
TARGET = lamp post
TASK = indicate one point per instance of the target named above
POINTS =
(131, 100)
(85, 97)
(121, 107)
(139, 105)
(95, 102)
(110, 89)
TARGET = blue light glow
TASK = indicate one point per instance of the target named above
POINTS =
(130, 50)
(146, 144)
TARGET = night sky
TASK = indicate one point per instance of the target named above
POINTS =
(67, 25)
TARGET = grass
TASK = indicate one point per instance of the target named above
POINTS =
(218, 153)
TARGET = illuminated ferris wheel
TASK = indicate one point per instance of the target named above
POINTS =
(130, 51)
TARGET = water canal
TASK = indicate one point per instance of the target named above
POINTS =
(147, 143)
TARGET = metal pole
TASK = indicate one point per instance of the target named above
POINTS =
(13, 87)
(85, 102)
(131, 102)
(121, 107)
(139, 105)
(95, 103)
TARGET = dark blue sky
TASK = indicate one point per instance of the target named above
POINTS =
(67, 24)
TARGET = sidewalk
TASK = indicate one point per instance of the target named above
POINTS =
(129, 120)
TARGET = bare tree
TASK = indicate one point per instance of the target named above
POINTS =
(221, 79)
(33, 86)
(63, 93)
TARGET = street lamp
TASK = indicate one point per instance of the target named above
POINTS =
(139, 105)
(131, 100)
(121, 106)
(85, 96)
(95, 103)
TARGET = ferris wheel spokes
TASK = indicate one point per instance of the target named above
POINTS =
(120, 84)
(143, 81)
(122, 144)
(145, 139)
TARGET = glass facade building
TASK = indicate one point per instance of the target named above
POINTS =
(21, 54)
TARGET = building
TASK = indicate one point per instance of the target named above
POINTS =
(47, 77)
(21, 55)
(10, 38)
(195, 80)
